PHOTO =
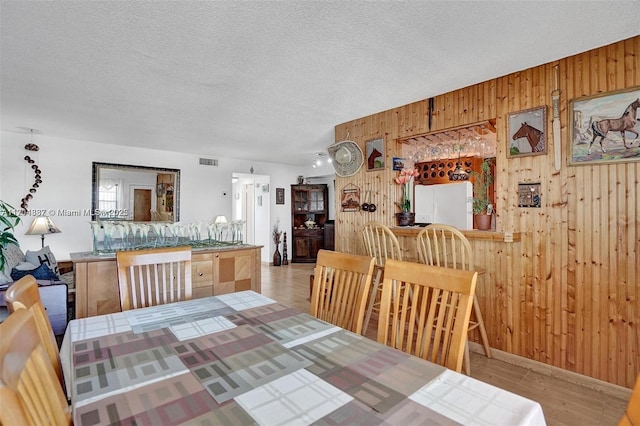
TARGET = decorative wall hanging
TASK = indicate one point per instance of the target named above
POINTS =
(527, 132)
(604, 128)
(350, 198)
(398, 164)
(37, 178)
(529, 195)
(555, 98)
(375, 154)
(347, 158)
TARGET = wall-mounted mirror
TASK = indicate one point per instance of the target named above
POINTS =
(135, 193)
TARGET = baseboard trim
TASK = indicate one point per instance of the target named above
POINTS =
(550, 370)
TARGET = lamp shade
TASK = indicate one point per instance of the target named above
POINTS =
(42, 225)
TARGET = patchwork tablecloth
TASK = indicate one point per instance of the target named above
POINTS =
(244, 359)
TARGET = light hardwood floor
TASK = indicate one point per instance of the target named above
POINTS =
(563, 402)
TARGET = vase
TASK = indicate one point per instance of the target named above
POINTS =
(483, 221)
(406, 218)
(277, 258)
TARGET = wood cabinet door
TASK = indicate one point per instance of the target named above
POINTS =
(102, 289)
(233, 271)
(315, 244)
(301, 249)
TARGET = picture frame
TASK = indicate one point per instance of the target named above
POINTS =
(527, 132)
(279, 195)
(350, 198)
(375, 154)
(398, 164)
(604, 128)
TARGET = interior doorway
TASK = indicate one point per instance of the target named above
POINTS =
(141, 205)
(251, 201)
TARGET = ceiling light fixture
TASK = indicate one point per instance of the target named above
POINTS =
(459, 173)
(319, 158)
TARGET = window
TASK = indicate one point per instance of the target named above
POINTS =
(108, 196)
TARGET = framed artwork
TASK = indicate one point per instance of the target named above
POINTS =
(279, 195)
(604, 128)
(375, 154)
(350, 198)
(398, 163)
(527, 132)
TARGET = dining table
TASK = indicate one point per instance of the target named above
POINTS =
(243, 359)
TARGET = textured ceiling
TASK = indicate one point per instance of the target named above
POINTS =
(266, 80)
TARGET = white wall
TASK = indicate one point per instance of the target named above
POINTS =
(66, 174)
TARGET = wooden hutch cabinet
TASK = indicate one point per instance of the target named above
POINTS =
(308, 203)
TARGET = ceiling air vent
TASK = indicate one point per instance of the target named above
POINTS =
(208, 162)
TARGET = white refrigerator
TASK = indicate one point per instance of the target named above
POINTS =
(448, 203)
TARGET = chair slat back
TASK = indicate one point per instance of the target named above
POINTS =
(12, 412)
(26, 370)
(444, 245)
(24, 294)
(380, 243)
(631, 415)
(341, 286)
(154, 276)
(429, 317)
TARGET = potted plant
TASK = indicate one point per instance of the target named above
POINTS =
(405, 179)
(8, 221)
(482, 203)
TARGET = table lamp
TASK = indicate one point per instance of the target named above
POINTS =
(42, 225)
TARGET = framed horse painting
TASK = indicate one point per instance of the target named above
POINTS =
(604, 128)
(375, 154)
(527, 132)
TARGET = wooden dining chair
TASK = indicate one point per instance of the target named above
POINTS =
(444, 245)
(631, 415)
(24, 294)
(381, 244)
(435, 328)
(341, 286)
(154, 276)
(11, 411)
(27, 374)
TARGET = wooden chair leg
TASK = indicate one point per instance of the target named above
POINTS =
(372, 298)
(483, 330)
(467, 359)
(311, 278)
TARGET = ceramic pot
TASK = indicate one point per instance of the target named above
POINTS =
(406, 218)
(483, 221)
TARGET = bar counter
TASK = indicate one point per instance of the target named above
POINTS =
(471, 234)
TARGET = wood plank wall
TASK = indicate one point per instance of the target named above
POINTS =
(568, 294)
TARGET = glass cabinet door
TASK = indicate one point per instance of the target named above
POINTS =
(301, 203)
(316, 202)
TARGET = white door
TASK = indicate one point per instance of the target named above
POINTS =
(251, 201)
